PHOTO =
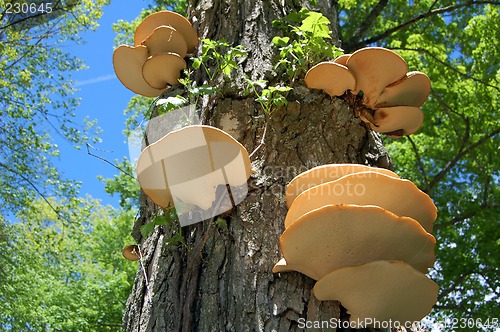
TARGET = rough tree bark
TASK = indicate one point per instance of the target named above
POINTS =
(223, 282)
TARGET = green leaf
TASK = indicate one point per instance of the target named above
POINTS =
(147, 229)
(281, 41)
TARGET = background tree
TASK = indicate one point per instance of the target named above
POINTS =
(36, 98)
(60, 276)
(224, 281)
(60, 255)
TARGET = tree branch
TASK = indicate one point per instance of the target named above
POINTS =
(462, 152)
(368, 22)
(448, 111)
(55, 13)
(429, 13)
(454, 160)
(447, 65)
(464, 216)
(419, 161)
(107, 161)
(38, 191)
(454, 285)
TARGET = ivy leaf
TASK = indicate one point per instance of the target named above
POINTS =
(196, 63)
(316, 24)
(170, 103)
(281, 41)
(147, 229)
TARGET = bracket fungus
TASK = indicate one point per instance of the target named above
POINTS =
(171, 19)
(336, 236)
(131, 252)
(347, 223)
(383, 94)
(326, 173)
(399, 196)
(381, 291)
(155, 61)
(196, 168)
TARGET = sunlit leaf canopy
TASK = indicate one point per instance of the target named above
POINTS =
(454, 157)
(37, 101)
(65, 276)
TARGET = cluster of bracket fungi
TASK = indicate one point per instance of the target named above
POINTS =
(361, 232)
(364, 234)
(376, 83)
(155, 61)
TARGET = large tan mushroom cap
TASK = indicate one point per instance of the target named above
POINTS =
(165, 39)
(398, 196)
(375, 68)
(326, 173)
(335, 236)
(381, 291)
(342, 60)
(128, 62)
(412, 90)
(131, 252)
(398, 121)
(333, 78)
(176, 21)
(163, 69)
(190, 164)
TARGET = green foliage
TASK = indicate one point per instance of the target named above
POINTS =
(65, 276)
(37, 102)
(124, 184)
(269, 98)
(307, 41)
(454, 157)
(170, 103)
(218, 57)
(170, 221)
(221, 223)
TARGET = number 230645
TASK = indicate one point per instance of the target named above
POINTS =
(28, 8)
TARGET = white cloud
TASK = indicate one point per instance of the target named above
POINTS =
(96, 80)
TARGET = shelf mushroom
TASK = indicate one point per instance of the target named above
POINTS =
(161, 42)
(319, 77)
(166, 39)
(384, 94)
(170, 19)
(379, 291)
(326, 173)
(131, 252)
(398, 196)
(336, 236)
(190, 169)
(363, 234)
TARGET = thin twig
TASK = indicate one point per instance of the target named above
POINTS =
(454, 160)
(261, 142)
(462, 152)
(464, 216)
(446, 64)
(106, 161)
(38, 191)
(419, 161)
(448, 111)
(143, 269)
(454, 285)
(429, 13)
(367, 22)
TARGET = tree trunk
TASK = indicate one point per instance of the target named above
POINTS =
(223, 282)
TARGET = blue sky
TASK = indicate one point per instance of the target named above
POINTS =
(103, 98)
